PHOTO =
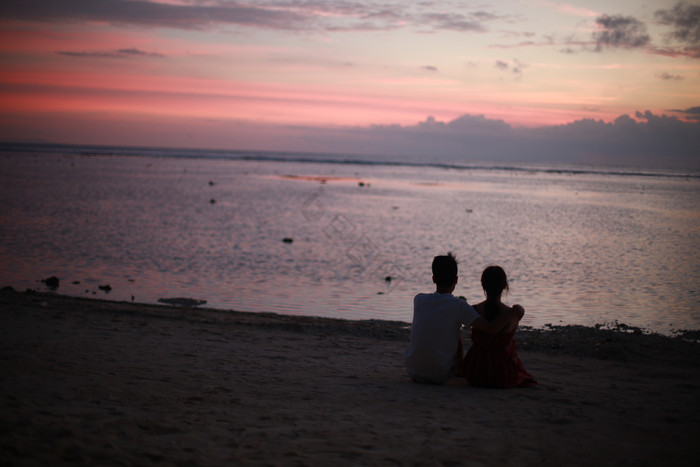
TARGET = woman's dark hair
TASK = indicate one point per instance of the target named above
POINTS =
(494, 282)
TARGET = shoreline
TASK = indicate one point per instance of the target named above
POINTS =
(326, 157)
(551, 337)
(91, 381)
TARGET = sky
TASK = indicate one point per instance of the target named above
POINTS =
(614, 82)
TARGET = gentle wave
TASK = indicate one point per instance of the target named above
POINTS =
(341, 159)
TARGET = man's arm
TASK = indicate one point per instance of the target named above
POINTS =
(490, 327)
(503, 320)
(519, 310)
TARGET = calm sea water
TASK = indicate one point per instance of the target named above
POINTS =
(580, 245)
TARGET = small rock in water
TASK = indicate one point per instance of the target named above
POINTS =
(212, 201)
(387, 278)
(105, 287)
(182, 301)
(211, 183)
(287, 240)
(51, 282)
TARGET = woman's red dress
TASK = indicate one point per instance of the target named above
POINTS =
(492, 361)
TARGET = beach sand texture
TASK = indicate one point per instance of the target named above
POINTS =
(102, 383)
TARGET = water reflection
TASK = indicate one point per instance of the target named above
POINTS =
(582, 248)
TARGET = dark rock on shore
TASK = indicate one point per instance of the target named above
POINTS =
(51, 282)
(181, 301)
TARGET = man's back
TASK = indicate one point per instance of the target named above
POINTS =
(435, 335)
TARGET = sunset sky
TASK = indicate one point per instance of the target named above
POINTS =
(619, 79)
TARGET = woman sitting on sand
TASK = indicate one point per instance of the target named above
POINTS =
(492, 361)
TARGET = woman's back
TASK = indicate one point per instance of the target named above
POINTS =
(491, 341)
(492, 360)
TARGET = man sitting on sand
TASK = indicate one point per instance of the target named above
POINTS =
(435, 351)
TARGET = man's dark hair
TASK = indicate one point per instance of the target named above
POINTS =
(445, 270)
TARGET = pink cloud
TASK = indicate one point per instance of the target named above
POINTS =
(32, 38)
(44, 90)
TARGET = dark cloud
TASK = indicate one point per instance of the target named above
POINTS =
(140, 53)
(479, 125)
(573, 44)
(518, 45)
(121, 53)
(684, 18)
(429, 68)
(452, 21)
(546, 41)
(673, 52)
(295, 15)
(484, 15)
(620, 31)
(684, 38)
(144, 13)
(648, 140)
(516, 68)
(692, 113)
(90, 54)
(669, 77)
(350, 26)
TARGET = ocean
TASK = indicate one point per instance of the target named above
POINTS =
(350, 236)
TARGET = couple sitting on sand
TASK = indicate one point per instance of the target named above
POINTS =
(435, 353)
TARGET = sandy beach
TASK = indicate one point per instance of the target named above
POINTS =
(104, 383)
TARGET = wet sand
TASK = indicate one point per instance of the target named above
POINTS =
(103, 383)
